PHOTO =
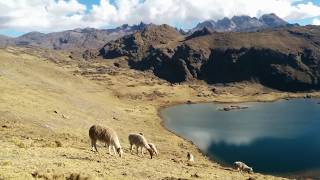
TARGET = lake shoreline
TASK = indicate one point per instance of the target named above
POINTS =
(285, 96)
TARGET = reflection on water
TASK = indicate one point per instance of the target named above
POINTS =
(279, 137)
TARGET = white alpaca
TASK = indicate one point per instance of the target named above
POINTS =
(190, 157)
(240, 166)
(140, 142)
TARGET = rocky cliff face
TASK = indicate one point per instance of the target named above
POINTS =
(285, 59)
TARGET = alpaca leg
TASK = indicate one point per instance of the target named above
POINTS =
(137, 150)
(114, 150)
(110, 149)
(94, 145)
(142, 151)
(131, 148)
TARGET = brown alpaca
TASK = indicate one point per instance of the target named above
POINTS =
(106, 135)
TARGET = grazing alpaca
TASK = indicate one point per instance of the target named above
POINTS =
(140, 142)
(240, 166)
(106, 135)
(190, 157)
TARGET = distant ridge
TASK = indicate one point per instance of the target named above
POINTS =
(91, 38)
(243, 24)
(76, 39)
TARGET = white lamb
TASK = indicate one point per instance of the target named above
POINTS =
(140, 142)
(107, 135)
(240, 166)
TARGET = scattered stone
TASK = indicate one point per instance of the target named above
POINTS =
(58, 143)
(4, 126)
(115, 118)
(195, 175)
(251, 178)
(174, 160)
(173, 178)
(116, 65)
(55, 111)
(64, 117)
(189, 102)
(189, 164)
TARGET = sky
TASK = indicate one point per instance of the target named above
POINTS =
(21, 16)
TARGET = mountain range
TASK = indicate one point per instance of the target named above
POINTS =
(91, 38)
(267, 50)
(77, 39)
(243, 24)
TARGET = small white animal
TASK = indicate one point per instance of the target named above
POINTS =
(240, 166)
(190, 157)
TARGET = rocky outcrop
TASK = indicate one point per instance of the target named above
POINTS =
(270, 67)
(286, 59)
(139, 44)
(202, 32)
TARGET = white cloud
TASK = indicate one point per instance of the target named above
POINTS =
(53, 15)
(316, 21)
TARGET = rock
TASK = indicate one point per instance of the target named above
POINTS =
(195, 175)
(202, 32)
(233, 107)
(116, 65)
(251, 178)
(58, 143)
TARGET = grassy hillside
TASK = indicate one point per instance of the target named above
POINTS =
(49, 101)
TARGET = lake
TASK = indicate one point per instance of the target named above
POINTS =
(280, 138)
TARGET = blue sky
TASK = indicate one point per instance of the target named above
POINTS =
(22, 16)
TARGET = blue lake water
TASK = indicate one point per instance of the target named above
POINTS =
(281, 137)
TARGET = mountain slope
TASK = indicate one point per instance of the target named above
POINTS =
(286, 58)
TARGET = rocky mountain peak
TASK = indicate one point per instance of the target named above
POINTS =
(243, 23)
(272, 20)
